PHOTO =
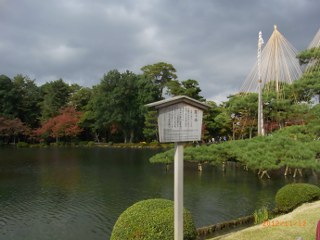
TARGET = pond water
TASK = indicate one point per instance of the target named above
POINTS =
(78, 193)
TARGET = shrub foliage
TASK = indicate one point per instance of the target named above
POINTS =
(293, 195)
(151, 219)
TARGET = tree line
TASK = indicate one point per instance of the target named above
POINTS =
(111, 111)
(114, 110)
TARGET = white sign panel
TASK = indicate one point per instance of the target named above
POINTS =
(180, 123)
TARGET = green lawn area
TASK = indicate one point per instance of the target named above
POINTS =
(301, 222)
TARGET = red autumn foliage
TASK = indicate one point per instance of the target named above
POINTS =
(63, 125)
(12, 127)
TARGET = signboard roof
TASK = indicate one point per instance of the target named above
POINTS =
(179, 99)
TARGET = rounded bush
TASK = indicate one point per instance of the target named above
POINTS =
(151, 219)
(22, 145)
(293, 195)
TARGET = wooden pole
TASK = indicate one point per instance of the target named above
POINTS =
(260, 110)
(260, 104)
(178, 192)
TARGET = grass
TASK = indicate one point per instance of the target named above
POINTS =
(301, 222)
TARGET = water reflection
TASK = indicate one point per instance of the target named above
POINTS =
(79, 193)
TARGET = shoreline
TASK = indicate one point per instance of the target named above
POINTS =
(301, 222)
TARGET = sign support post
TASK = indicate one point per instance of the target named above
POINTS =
(178, 191)
(179, 121)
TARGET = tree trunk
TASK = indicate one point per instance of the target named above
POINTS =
(96, 137)
(125, 137)
(131, 136)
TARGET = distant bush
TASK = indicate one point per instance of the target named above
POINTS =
(57, 144)
(43, 144)
(151, 219)
(90, 143)
(293, 195)
(154, 143)
(81, 143)
(22, 145)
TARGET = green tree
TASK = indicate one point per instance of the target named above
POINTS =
(309, 84)
(192, 89)
(8, 97)
(211, 128)
(80, 98)
(148, 92)
(55, 96)
(224, 123)
(310, 56)
(243, 109)
(188, 88)
(174, 88)
(161, 73)
(118, 104)
(28, 102)
(150, 130)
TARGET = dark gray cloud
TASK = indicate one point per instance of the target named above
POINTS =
(212, 41)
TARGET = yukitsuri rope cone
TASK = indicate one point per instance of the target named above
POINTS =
(314, 65)
(278, 64)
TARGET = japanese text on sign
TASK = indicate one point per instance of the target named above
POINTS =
(179, 123)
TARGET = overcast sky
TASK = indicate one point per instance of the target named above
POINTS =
(211, 41)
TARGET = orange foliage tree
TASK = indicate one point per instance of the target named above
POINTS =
(12, 128)
(64, 125)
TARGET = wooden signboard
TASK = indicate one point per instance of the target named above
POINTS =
(179, 119)
(180, 123)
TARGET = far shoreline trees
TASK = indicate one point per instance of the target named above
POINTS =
(114, 110)
(111, 111)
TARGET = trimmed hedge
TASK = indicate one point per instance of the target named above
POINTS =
(151, 219)
(293, 195)
(22, 145)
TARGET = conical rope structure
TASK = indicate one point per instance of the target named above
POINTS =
(315, 41)
(278, 64)
(314, 65)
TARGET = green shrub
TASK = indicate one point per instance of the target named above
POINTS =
(151, 219)
(154, 143)
(57, 144)
(91, 144)
(22, 145)
(261, 215)
(293, 195)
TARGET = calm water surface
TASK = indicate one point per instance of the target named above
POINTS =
(78, 193)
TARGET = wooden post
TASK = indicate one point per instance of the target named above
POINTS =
(179, 121)
(178, 191)
(318, 231)
(200, 167)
